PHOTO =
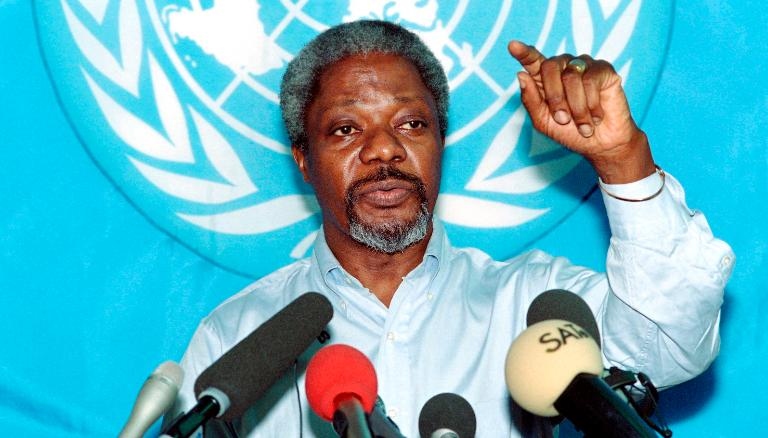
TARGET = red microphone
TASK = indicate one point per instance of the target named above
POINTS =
(341, 387)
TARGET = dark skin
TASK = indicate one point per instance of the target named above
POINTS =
(585, 112)
(370, 112)
(374, 110)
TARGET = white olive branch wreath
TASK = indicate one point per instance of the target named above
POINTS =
(171, 141)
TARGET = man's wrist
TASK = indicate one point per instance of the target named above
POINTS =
(625, 164)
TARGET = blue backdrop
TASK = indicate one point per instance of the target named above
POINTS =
(96, 289)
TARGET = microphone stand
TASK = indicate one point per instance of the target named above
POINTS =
(349, 420)
(185, 425)
(599, 412)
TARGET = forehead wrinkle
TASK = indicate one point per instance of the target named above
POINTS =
(355, 101)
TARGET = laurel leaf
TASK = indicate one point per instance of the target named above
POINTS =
(170, 110)
(466, 211)
(609, 7)
(619, 37)
(624, 70)
(124, 74)
(132, 130)
(582, 25)
(97, 9)
(302, 248)
(131, 38)
(502, 146)
(221, 155)
(546, 27)
(190, 188)
(261, 218)
(561, 48)
(541, 144)
(531, 179)
(485, 115)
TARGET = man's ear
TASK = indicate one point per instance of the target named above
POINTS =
(299, 156)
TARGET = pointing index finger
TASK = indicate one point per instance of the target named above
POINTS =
(528, 56)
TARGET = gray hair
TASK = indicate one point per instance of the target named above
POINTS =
(299, 82)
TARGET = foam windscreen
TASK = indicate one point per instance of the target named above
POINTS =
(563, 304)
(340, 370)
(245, 372)
(447, 411)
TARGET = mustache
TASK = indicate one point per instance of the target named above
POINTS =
(385, 173)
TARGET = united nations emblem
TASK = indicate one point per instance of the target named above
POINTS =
(176, 101)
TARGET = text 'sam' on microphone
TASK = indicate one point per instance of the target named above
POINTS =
(447, 415)
(341, 387)
(156, 396)
(240, 377)
(554, 368)
(563, 304)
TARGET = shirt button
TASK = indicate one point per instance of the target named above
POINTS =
(430, 296)
(343, 305)
(392, 413)
(391, 336)
(726, 261)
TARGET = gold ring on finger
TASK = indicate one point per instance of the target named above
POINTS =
(576, 64)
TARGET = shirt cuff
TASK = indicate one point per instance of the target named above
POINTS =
(662, 215)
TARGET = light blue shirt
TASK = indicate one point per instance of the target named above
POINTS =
(452, 319)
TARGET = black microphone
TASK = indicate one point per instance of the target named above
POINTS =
(554, 368)
(244, 373)
(563, 304)
(156, 396)
(447, 415)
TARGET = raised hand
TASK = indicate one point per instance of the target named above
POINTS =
(580, 103)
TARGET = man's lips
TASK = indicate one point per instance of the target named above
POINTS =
(385, 194)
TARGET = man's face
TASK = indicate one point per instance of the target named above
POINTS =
(374, 151)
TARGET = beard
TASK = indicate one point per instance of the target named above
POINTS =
(391, 236)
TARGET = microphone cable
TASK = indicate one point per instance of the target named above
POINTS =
(641, 394)
(298, 397)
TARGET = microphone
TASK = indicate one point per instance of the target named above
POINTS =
(563, 304)
(341, 387)
(543, 361)
(447, 415)
(156, 396)
(243, 374)
(554, 368)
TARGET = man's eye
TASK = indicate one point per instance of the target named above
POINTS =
(344, 130)
(414, 124)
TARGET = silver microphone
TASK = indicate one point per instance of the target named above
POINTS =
(155, 398)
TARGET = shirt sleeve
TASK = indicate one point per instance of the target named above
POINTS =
(667, 274)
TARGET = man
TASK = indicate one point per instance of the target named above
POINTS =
(365, 105)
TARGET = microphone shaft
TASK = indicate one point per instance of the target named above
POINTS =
(350, 421)
(596, 410)
(205, 409)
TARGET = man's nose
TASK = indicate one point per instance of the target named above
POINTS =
(382, 145)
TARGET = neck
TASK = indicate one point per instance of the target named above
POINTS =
(379, 272)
